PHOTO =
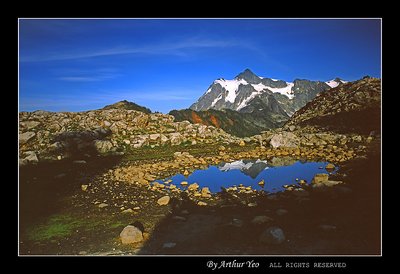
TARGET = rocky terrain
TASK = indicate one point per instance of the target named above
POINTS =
(352, 107)
(87, 183)
(50, 136)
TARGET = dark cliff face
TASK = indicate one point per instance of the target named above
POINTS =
(352, 107)
(233, 122)
(129, 106)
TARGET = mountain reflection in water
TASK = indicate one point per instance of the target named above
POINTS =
(276, 172)
(254, 167)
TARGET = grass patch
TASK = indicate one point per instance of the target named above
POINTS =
(64, 225)
(167, 152)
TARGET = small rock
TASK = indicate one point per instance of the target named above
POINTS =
(179, 218)
(102, 205)
(302, 182)
(330, 167)
(258, 220)
(184, 183)
(272, 235)
(82, 253)
(200, 203)
(299, 192)
(131, 234)
(186, 173)
(242, 143)
(222, 148)
(129, 210)
(261, 183)
(163, 200)
(237, 223)
(252, 204)
(327, 228)
(281, 212)
(343, 190)
(79, 162)
(137, 208)
(84, 187)
(59, 176)
(169, 245)
(292, 128)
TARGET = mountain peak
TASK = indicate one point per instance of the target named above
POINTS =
(127, 105)
(248, 76)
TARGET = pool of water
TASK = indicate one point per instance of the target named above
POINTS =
(275, 173)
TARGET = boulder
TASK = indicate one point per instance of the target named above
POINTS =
(131, 234)
(163, 200)
(193, 187)
(31, 157)
(29, 124)
(272, 235)
(26, 136)
(284, 139)
(320, 177)
(103, 146)
(328, 183)
(154, 137)
(205, 192)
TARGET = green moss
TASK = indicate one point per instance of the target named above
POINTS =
(61, 226)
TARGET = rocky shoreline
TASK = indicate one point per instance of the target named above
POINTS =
(127, 192)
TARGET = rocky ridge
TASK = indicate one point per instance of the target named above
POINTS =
(58, 135)
(351, 107)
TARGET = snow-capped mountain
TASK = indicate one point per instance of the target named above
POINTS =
(246, 89)
(248, 167)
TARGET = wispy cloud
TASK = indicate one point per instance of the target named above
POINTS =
(93, 78)
(167, 48)
(80, 75)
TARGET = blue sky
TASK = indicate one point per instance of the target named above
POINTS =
(75, 65)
